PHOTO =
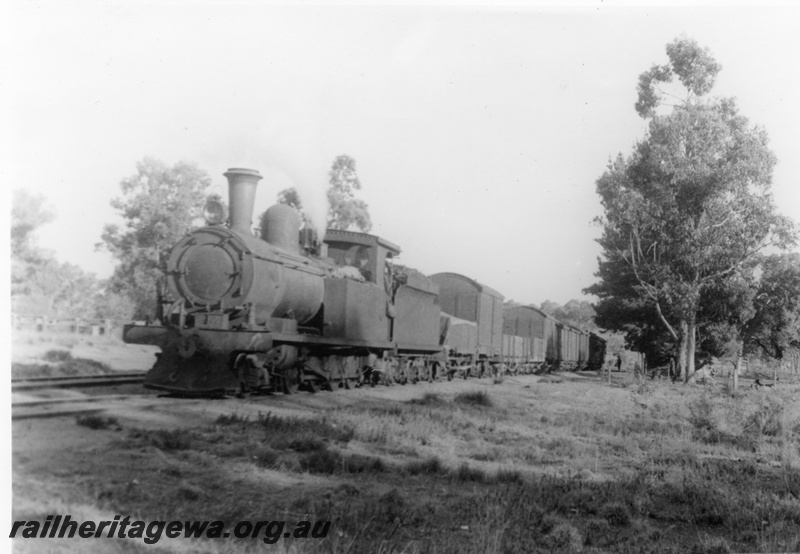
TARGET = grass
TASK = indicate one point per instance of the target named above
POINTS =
(474, 399)
(93, 421)
(662, 468)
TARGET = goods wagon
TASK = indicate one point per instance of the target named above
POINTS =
(524, 343)
(597, 351)
(471, 349)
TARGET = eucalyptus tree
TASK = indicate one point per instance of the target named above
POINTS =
(690, 206)
(345, 211)
(775, 325)
(157, 206)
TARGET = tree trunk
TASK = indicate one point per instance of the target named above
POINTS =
(682, 351)
(690, 346)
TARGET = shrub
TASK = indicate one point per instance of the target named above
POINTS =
(508, 476)
(564, 537)
(701, 414)
(231, 419)
(360, 464)
(177, 439)
(429, 466)
(391, 506)
(93, 421)
(616, 513)
(57, 355)
(303, 443)
(766, 420)
(321, 461)
(467, 473)
(265, 456)
(597, 532)
(428, 399)
(712, 545)
(478, 398)
(292, 426)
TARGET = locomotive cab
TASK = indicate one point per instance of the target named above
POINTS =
(356, 302)
(371, 256)
(407, 305)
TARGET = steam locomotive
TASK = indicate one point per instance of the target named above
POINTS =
(283, 311)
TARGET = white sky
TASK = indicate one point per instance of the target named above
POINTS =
(478, 131)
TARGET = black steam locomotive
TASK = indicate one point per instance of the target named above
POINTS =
(282, 311)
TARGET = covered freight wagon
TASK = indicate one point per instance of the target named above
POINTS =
(527, 319)
(468, 300)
(597, 351)
(524, 344)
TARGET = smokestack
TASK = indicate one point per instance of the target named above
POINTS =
(242, 184)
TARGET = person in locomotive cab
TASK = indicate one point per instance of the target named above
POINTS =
(362, 267)
(358, 257)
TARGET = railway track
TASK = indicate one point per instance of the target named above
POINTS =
(76, 381)
(34, 408)
(57, 407)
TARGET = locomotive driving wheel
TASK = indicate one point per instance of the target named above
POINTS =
(290, 381)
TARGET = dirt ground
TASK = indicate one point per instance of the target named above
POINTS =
(442, 465)
(28, 347)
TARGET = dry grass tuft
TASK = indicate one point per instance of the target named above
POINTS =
(475, 399)
(94, 421)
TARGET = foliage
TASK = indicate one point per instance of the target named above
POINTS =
(685, 212)
(158, 205)
(94, 421)
(40, 284)
(478, 398)
(345, 211)
(775, 325)
(28, 213)
(579, 313)
(695, 67)
(636, 321)
(112, 305)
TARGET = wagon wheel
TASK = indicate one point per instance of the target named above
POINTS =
(290, 381)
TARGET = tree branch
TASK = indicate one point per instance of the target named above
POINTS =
(663, 319)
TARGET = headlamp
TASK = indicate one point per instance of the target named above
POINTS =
(215, 212)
